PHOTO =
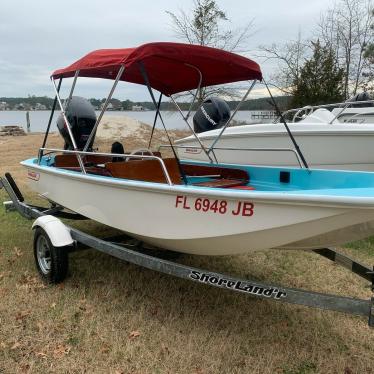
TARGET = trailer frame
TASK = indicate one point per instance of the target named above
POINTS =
(136, 253)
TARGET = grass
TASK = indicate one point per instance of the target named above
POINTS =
(112, 317)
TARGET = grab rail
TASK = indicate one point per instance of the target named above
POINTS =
(102, 154)
(241, 149)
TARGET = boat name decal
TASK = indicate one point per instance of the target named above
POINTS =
(239, 208)
(33, 175)
(217, 280)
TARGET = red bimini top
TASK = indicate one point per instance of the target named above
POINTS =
(170, 67)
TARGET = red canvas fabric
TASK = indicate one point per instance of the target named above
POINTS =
(168, 66)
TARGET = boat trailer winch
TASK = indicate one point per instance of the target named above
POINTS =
(47, 250)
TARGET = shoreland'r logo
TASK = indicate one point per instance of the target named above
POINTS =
(216, 280)
(208, 117)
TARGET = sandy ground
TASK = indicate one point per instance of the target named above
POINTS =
(132, 134)
(120, 127)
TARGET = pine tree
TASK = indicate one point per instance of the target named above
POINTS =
(320, 81)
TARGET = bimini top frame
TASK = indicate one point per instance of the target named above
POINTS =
(169, 68)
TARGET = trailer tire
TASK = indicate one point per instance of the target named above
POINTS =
(52, 262)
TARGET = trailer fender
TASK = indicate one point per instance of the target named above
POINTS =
(57, 232)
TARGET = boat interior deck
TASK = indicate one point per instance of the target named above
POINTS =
(204, 175)
(150, 170)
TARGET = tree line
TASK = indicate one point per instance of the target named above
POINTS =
(126, 105)
(335, 63)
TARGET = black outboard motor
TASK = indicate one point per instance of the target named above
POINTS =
(82, 117)
(362, 96)
(213, 114)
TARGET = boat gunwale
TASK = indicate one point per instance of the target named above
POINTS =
(279, 198)
(328, 130)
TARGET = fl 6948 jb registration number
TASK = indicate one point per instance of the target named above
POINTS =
(237, 208)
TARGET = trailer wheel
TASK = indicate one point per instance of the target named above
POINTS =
(52, 262)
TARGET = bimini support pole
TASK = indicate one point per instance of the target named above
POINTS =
(185, 118)
(155, 120)
(63, 113)
(297, 148)
(146, 81)
(232, 116)
(93, 132)
(196, 92)
(67, 101)
(192, 130)
(50, 118)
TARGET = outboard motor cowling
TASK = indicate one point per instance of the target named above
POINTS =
(213, 114)
(82, 118)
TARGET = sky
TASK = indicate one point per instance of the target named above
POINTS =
(38, 37)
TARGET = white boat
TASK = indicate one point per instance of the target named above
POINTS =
(198, 208)
(337, 139)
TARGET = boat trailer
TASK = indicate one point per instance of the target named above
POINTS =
(57, 239)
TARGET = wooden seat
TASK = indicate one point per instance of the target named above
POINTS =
(145, 170)
(71, 160)
(223, 173)
(220, 177)
(149, 170)
(95, 170)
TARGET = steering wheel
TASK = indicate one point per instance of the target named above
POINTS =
(139, 151)
(302, 113)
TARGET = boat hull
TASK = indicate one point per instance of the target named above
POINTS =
(325, 146)
(176, 218)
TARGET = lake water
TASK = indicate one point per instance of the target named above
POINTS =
(173, 120)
